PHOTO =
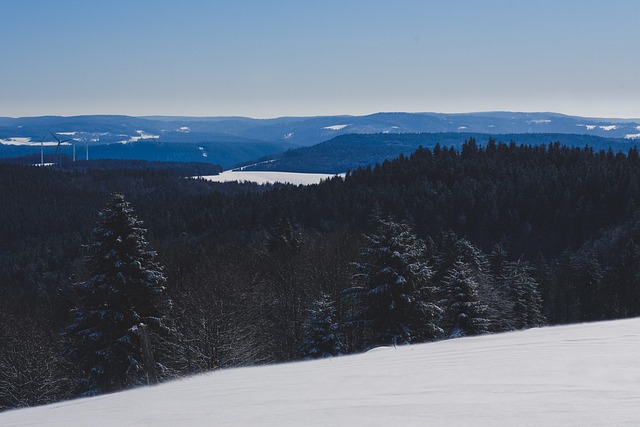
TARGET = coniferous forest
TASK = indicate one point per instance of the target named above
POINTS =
(111, 278)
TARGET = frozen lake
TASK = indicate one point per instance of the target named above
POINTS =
(269, 177)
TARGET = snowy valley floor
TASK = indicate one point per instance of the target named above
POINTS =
(579, 375)
(270, 177)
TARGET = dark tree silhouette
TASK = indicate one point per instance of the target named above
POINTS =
(392, 292)
(126, 288)
(321, 336)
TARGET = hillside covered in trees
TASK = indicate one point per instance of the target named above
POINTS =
(350, 151)
(441, 243)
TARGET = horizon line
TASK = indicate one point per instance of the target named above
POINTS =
(232, 116)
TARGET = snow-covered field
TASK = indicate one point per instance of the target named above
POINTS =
(580, 375)
(28, 141)
(263, 177)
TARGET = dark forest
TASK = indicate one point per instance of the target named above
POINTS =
(480, 239)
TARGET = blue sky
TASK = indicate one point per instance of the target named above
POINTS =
(299, 58)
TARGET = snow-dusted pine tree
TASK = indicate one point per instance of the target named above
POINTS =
(392, 292)
(527, 302)
(126, 287)
(321, 336)
(464, 313)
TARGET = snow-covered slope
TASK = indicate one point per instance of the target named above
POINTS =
(580, 375)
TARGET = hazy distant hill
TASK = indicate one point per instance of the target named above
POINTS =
(232, 140)
(350, 151)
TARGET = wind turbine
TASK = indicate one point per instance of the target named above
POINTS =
(42, 151)
(58, 148)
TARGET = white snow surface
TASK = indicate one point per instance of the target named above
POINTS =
(632, 136)
(579, 375)
(392, 128)
(335, 127)
(141, 135)
(609, 127)
(19, 140)
(269, 177)
(16, 141)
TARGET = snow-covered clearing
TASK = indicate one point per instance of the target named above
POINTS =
(16, 141)
(27, 141)
(579, 375)
(269, 177)
(141, 135)
(335, 127)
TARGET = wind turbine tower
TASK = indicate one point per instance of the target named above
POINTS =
(42, 151)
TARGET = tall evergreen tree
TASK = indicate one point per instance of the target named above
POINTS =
(527, 302)
(321, 337)
(497, 260)
(595, 297)
(392, 292)
(283, 291)
(464, 313)
(126, 288)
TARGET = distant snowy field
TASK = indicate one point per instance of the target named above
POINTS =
(271, 177)
(579, 375)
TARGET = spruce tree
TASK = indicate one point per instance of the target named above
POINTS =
(497, 261)
(392, 292)
(596, 300)
(125, 288)
(527, 302)
(468, 295)
(321, 337)
(464, 313)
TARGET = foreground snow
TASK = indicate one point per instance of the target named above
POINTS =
(580, 375)
(264, 177)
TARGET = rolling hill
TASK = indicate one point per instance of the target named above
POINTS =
(233, 140)
(351, 151)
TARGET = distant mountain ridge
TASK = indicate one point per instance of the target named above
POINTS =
(232, 140)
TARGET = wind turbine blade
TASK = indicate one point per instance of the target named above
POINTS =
(52, 134)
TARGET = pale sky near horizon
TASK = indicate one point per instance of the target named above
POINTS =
(302, 57)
